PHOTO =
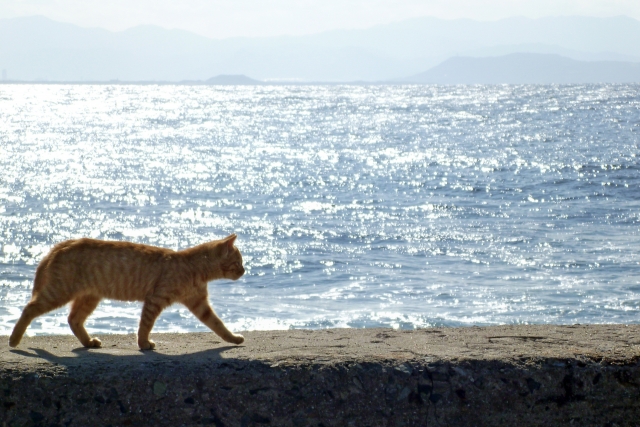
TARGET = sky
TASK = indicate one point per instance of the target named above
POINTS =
(264, 18)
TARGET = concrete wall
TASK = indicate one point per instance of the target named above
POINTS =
(369, 377)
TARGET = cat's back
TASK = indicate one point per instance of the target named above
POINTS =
(83, 254)
(112, 269)
(86, 244)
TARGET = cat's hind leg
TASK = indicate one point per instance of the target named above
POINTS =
(81, 308)
(200, 307)
(36, 307)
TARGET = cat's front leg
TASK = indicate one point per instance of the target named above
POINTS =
(151, 309)
(200, 307)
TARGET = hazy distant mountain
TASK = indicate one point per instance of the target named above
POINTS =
(232, 79)
(37, 48)
(522, 68)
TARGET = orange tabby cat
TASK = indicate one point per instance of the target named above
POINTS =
(86, 270)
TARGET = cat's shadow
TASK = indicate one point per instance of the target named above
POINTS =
(84, 356)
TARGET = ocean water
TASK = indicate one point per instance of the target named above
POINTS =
(355, 206)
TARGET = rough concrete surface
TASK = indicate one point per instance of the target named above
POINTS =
(491, 376)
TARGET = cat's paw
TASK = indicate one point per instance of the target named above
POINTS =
(14, 341)
(237, 339)
(148, 345)
(94, 343)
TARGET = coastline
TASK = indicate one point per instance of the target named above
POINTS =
(498, 375)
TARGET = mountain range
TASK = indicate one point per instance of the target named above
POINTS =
(527, 68)
(421, 50)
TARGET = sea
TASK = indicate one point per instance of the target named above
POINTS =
(403, 206)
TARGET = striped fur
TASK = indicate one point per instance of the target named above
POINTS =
(84, 271)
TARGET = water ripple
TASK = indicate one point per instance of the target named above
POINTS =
(401, 206)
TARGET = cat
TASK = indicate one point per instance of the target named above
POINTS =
(84, 271)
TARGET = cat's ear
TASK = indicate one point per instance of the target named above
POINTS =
(229, 241)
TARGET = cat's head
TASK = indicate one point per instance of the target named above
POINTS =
(231, 259)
